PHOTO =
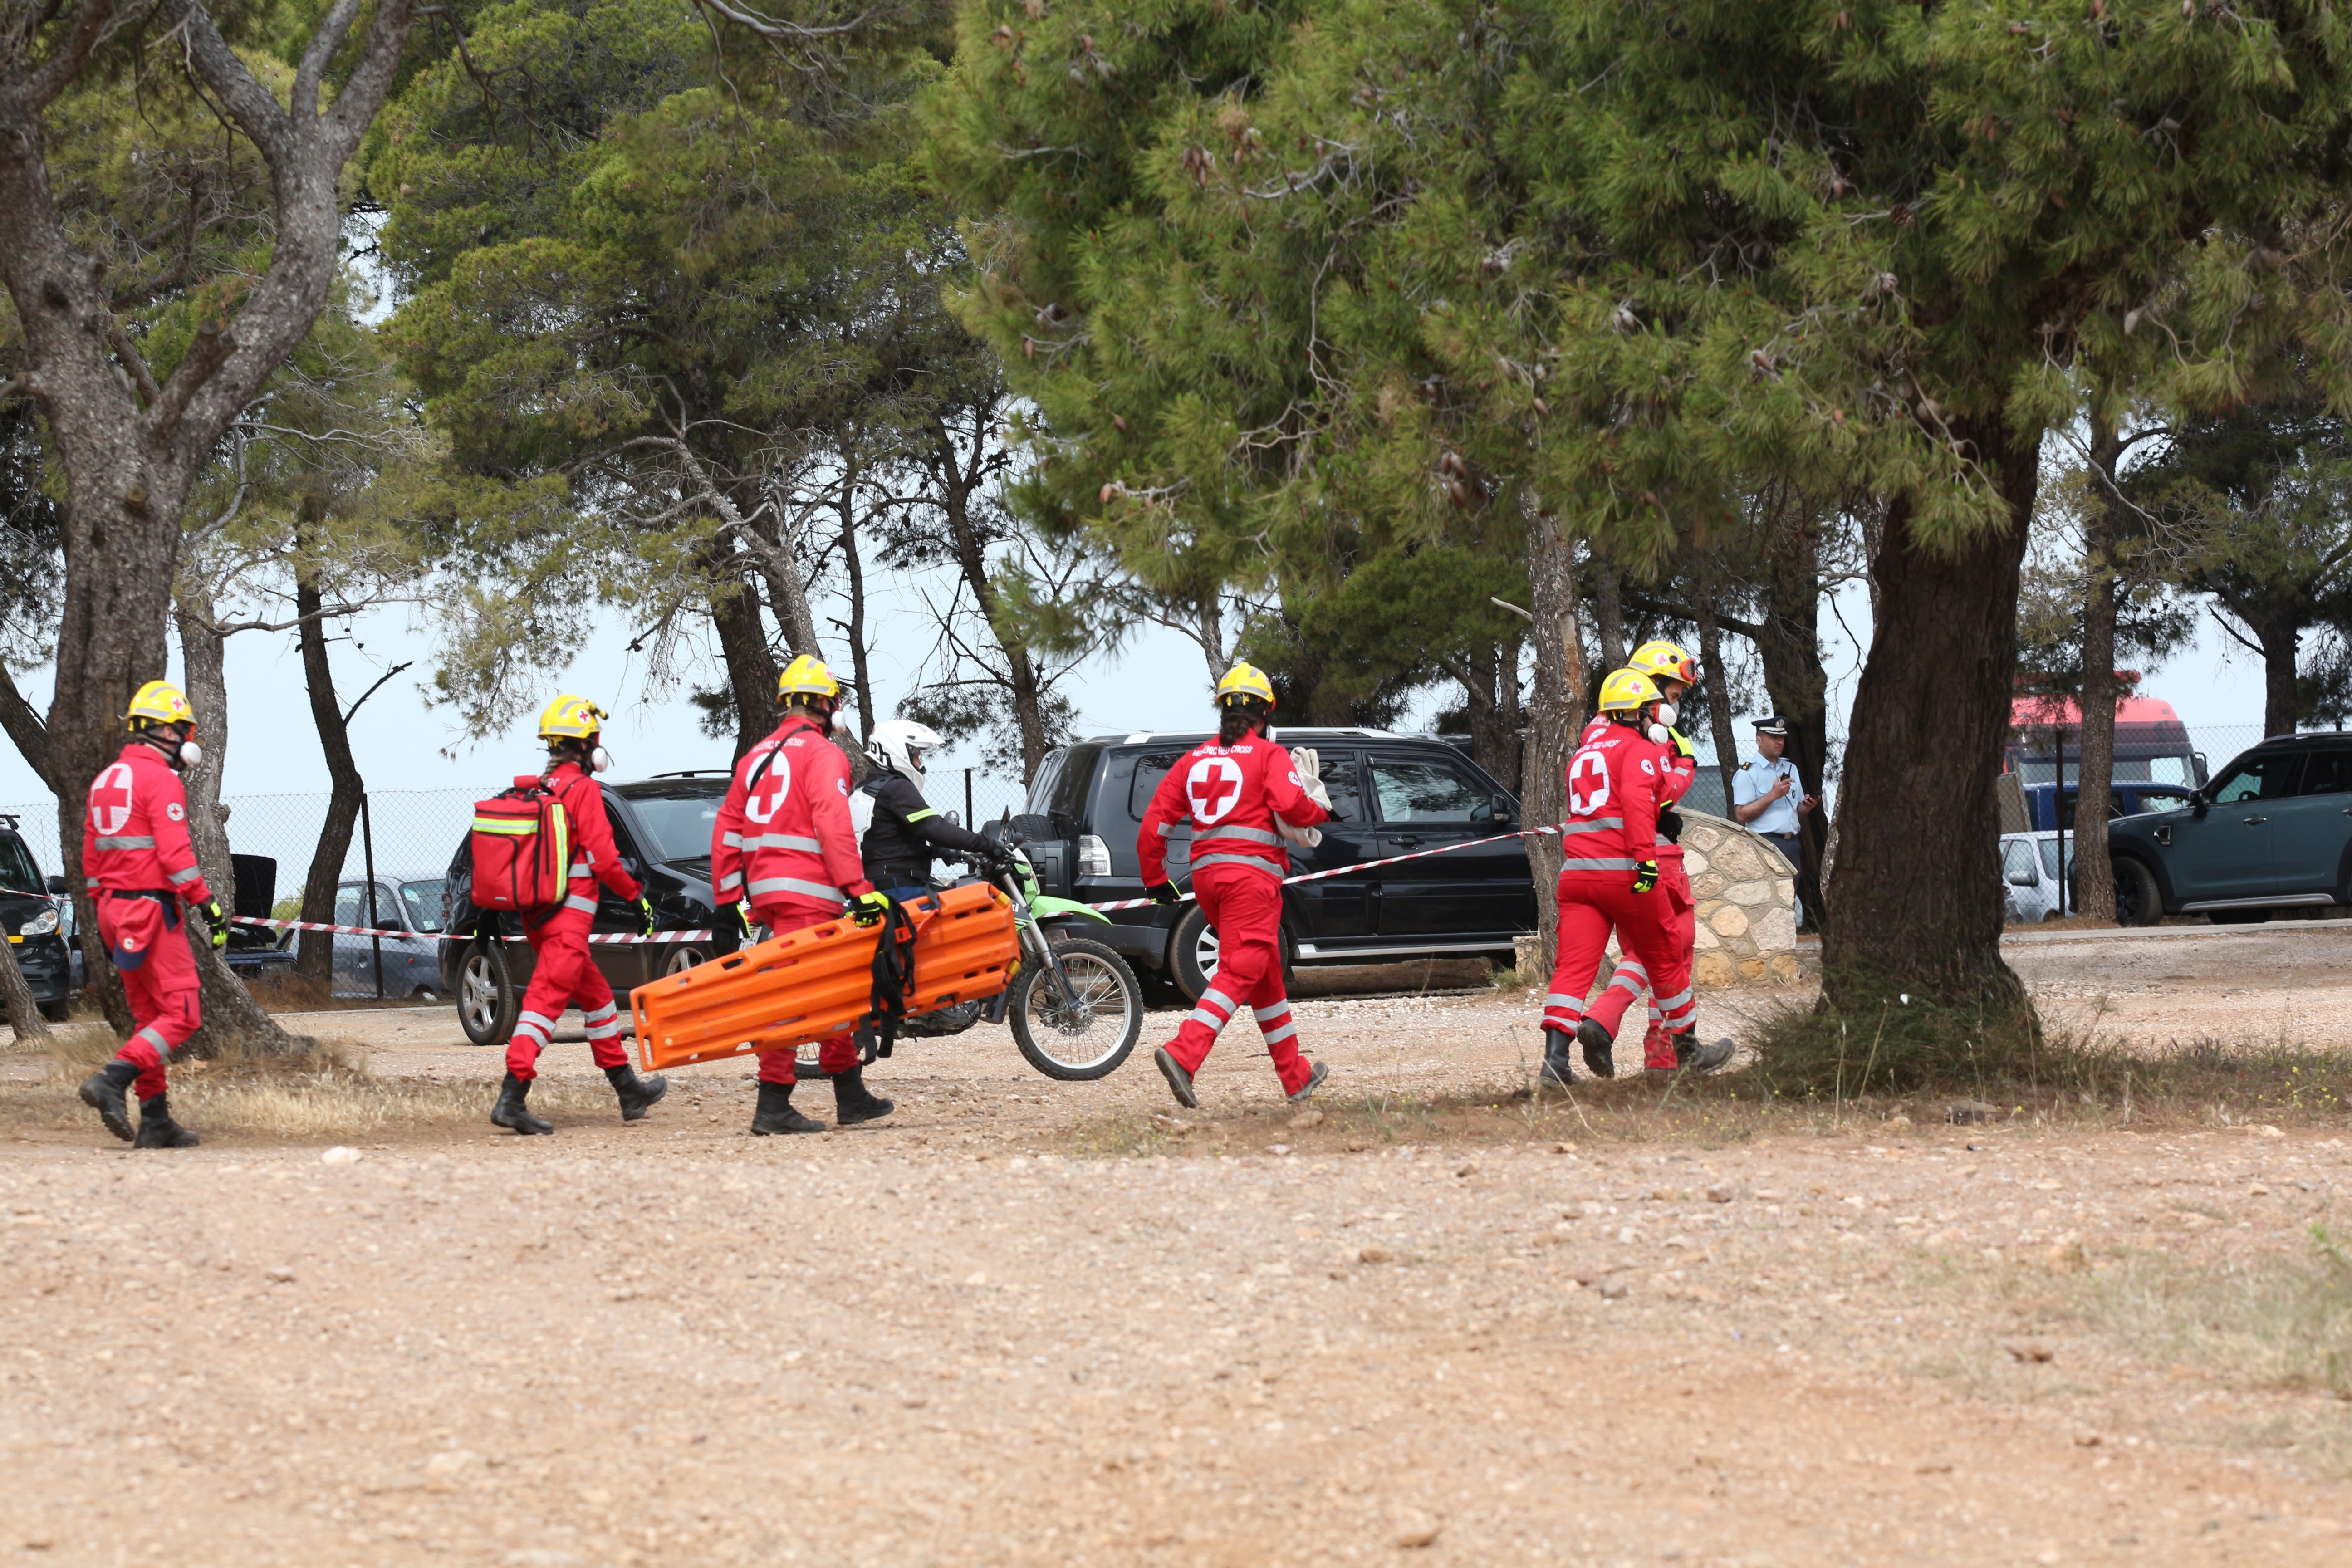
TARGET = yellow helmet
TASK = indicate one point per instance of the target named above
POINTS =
(570, 718)
(160, 703)
(1245, 680)
(1627, 691)
(806, 677)
(1656, 659)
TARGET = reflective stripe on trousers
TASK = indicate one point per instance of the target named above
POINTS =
(1217, 1009)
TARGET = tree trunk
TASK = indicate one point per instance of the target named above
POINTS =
(2094, 875)
(230, 1011)
(1608, 613)
(1024, 686)
(1716, 685)
(750, 668)
(1916, 899)
(1789, 643)
(316, 960)
(24, 1013)
(2279, 630)
(1555, 714)
(853, 568)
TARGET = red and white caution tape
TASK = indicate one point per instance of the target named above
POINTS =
(659, 936)
(1345, 870)
(676, 936)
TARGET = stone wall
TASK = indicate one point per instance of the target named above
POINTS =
(1746, 917)
(1746, 893)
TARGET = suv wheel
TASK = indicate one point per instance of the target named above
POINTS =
(487, 1003)
(1192, 953)
(2137, 901)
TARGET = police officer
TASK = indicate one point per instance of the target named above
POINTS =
(1767, 796)
(899, 833)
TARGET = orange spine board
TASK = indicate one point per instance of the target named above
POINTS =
(813, 983)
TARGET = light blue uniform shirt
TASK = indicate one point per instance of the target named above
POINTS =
(1754, 781)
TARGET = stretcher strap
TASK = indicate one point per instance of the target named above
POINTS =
(894, 975)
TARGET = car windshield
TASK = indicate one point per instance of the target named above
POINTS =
(422, 901)
(678, 819)
(17, 872)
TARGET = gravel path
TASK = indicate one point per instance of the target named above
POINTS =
(958, 1338)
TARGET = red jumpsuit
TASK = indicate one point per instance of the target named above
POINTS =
(140, 869)
(1616, 783)
(1682, 770)
(783, 840)
(565, 974)
(1229, 795)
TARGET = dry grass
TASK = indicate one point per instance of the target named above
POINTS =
(2282, 1323)
(328, 1095)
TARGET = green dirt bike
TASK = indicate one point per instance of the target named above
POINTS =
(1075, 1007)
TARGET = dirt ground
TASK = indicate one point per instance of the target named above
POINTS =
(1023, 1323)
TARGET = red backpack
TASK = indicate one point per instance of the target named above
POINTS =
(521, 847)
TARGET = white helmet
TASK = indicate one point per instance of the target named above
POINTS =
(897, 746)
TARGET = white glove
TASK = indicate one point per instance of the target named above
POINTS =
(1307, 768)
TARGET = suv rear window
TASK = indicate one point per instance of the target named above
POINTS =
(1150, 769)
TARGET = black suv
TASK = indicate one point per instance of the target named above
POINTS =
(2271, 831)
(1391, 795)
(662, 827)
(29, 911)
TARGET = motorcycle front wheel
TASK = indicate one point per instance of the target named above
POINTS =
(1089, 1036)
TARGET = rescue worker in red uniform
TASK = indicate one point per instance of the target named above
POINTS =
(1674, 672)
(1612, 875)
(563, 974)
(1238, 793)
(784, 846)
(141, 872)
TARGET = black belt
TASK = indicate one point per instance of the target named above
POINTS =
(160, 895)
(893, 876)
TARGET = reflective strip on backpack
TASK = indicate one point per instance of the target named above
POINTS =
(794, 885)
(134, 841)
(515, 826)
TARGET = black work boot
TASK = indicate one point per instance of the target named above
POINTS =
(108, 1092)
(158, 1131)
(776, 1114)
(1692, 1057)
(1560, 1058)
(512, 1112)
(853, 1103)
(1596, 1040)
(1180, 1083)
(637, 1094)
